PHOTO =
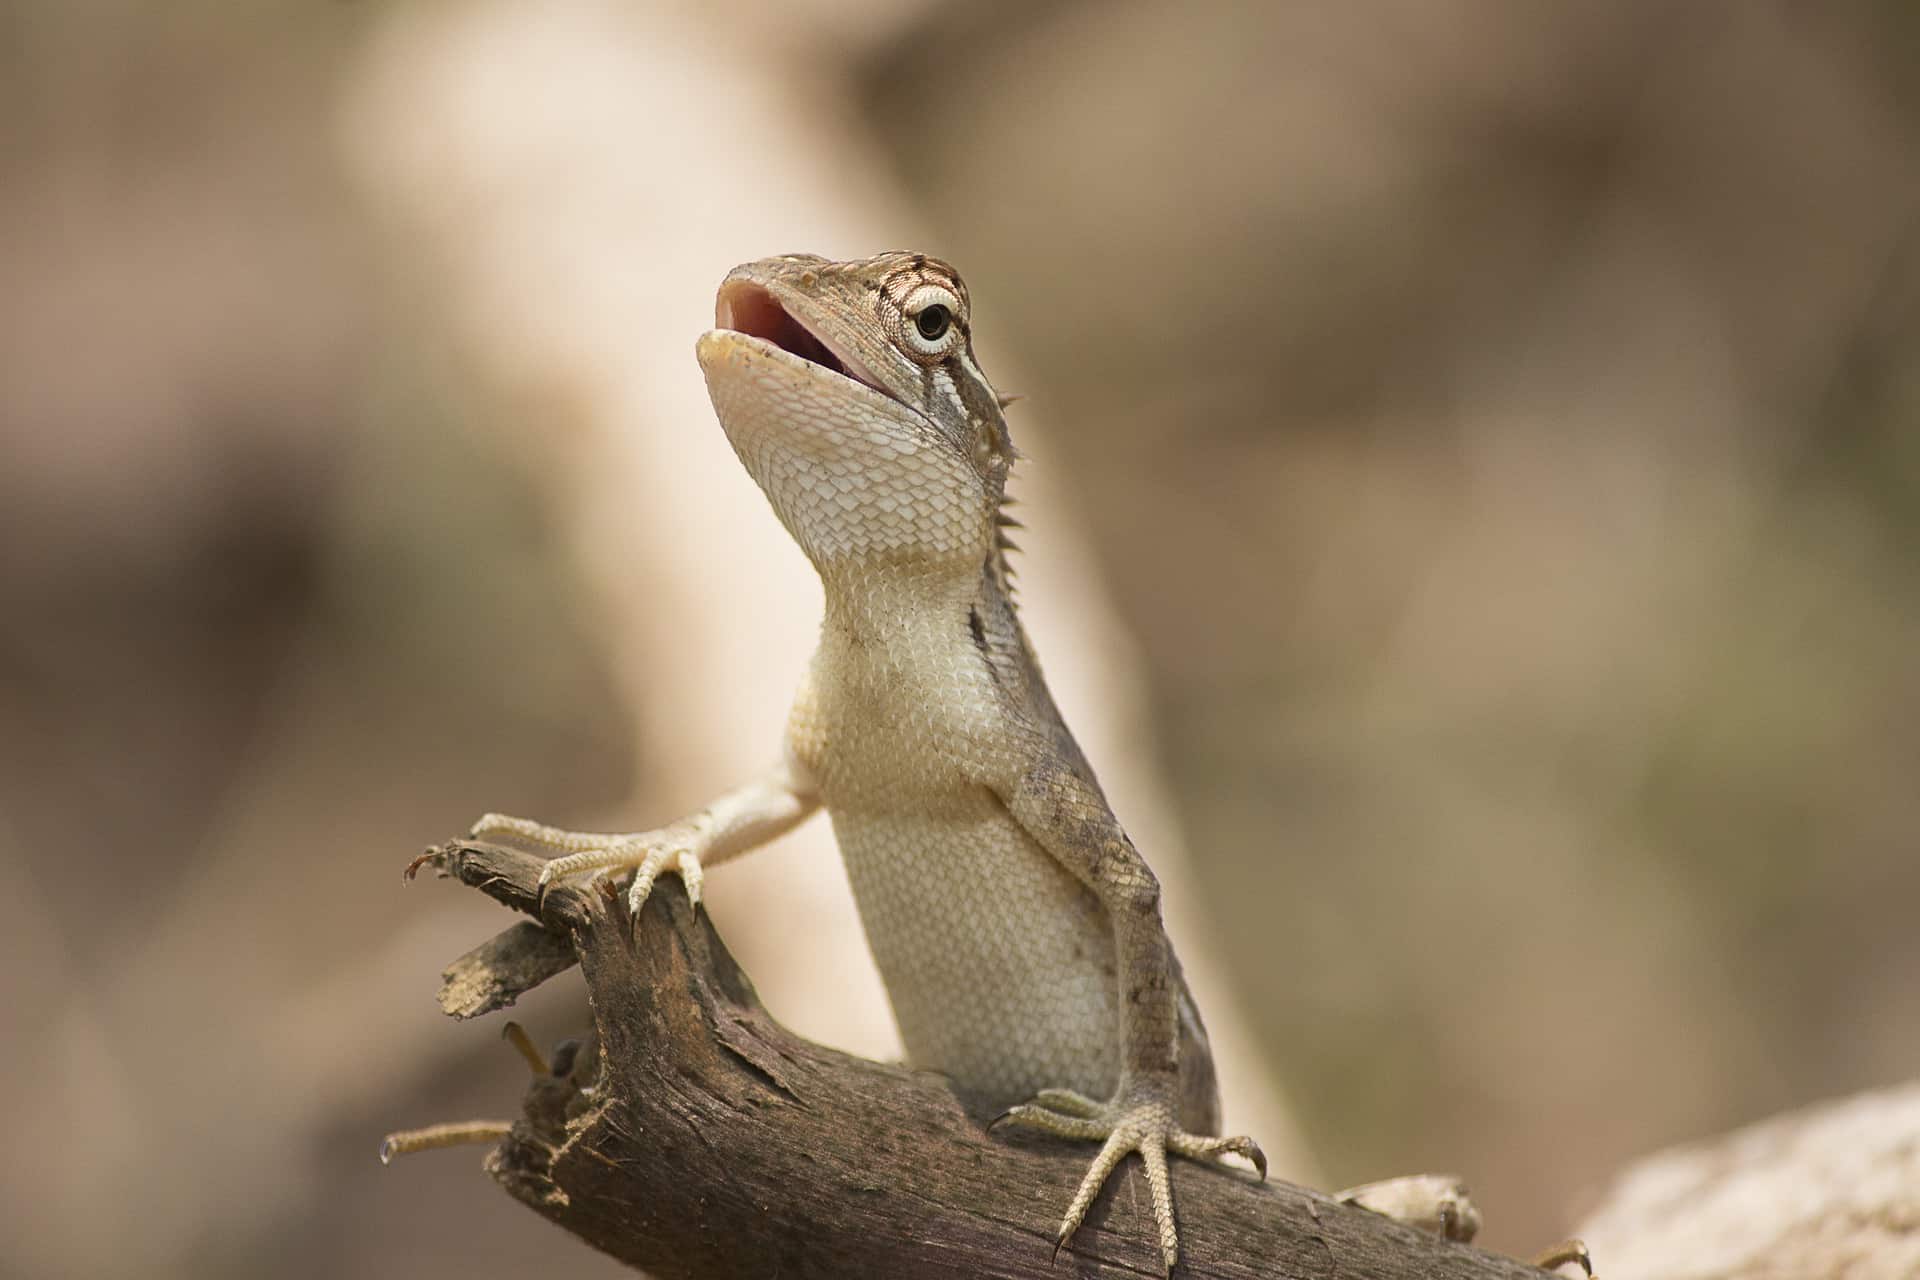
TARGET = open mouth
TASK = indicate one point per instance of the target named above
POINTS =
(747, 308)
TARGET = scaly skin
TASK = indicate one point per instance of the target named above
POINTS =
(1016, 927)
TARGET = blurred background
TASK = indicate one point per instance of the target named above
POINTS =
(1476, 487)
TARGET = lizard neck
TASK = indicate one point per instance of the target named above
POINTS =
(880, 603)
(904, 635)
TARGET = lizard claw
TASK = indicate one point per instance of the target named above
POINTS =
(1140, 1120)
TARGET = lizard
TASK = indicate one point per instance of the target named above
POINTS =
(1015, 926)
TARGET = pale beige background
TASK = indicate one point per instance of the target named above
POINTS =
(1474, 481)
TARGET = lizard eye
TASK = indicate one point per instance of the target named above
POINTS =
(932, 320)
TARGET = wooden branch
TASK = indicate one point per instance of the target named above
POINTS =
(502, 969)
(705, 1140)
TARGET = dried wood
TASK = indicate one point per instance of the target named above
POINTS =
(705, 1140)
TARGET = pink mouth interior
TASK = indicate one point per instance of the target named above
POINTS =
(749, 309)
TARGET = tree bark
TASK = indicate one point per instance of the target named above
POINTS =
(705, 1140)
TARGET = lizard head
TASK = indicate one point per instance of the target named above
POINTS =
(851, 393)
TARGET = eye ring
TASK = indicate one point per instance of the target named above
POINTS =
(930, 321)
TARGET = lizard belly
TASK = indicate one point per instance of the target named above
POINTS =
(998, 963)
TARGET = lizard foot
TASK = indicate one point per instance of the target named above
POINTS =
(1140, 1118)
(645, 853)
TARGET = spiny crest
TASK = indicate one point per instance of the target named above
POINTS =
(1003, 544)
(1001, 454)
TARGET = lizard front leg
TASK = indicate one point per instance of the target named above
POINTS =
(736, 823)
(1067, 816)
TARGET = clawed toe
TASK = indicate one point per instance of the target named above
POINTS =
(656, 860)
(1030, 1115)
(1068, 1103)
(1246, 1148)
(574, 864)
